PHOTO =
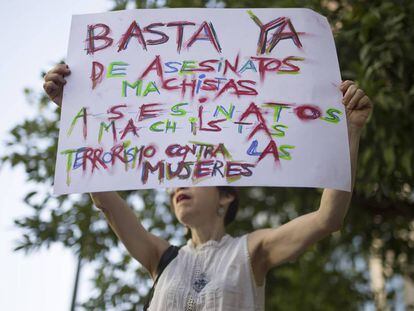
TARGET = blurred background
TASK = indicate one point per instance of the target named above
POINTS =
(58, 253)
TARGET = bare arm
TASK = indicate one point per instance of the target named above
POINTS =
(274, 246)
(335, 203)
(141, 244)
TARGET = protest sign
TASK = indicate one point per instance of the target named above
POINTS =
(201, 97)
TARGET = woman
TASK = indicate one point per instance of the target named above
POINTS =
(215, 271)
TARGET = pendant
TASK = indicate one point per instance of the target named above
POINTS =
(199, 282)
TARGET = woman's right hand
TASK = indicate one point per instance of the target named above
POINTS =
(54, 82)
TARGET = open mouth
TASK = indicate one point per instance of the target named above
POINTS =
(182, 197)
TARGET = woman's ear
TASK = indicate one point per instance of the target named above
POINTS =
(226, 199)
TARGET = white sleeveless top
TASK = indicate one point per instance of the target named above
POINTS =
(217, 275)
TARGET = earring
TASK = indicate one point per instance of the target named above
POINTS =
(220, 211)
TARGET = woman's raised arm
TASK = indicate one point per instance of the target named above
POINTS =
(274, 246)
(141, 244)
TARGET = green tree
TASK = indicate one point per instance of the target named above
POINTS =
(375, 43)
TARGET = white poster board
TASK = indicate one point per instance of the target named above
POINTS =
(199, 97)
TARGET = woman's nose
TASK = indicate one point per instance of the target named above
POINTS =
(171, 191)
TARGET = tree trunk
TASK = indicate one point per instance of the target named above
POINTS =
(377, 276)
(409, 293)
(75, 287)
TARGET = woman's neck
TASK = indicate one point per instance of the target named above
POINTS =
(204, 234)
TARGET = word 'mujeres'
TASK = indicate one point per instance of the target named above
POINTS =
(205, 162)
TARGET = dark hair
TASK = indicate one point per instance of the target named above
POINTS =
(233, 207)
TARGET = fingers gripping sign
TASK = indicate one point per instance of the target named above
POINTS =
(54, 82)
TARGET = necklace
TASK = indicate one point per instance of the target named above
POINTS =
(199, 281)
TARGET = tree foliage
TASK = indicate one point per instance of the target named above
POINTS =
(375, 43)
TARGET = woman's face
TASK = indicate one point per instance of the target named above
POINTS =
(196, 205)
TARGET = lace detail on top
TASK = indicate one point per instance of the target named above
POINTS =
(215, 275)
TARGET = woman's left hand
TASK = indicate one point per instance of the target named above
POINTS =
(358, 106)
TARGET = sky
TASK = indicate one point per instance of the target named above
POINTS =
(34, 37)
